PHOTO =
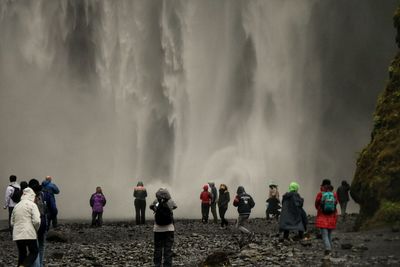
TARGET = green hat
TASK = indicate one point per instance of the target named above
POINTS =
(294, 187)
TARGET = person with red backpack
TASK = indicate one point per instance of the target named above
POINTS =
(325, 203)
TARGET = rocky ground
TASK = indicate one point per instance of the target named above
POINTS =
(124, 244)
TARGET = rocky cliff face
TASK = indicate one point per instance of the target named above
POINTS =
(376, 185)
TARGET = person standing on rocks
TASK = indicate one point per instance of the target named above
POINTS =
(293, 216)
(273, 202)
(140, 194)
(205, 198)
(41, 234)
(214, 200)
(343, 197)
(223, 202)
(163, 228)
(25, 220)
(325, 203)
(97, 202)
(10, 199)
(244, 203)
(50, 189)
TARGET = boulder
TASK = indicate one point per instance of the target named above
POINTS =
(56, 236)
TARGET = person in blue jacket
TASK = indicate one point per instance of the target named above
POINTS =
(49, 190)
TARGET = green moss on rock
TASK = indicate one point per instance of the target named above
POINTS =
(376, 184)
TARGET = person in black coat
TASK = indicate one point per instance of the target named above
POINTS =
(293, 216)
(223, 202)
(343, 197)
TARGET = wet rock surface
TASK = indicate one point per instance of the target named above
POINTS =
(196, 244)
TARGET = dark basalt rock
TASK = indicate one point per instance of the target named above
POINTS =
(56, 236)
(218, 258)
(346, 246)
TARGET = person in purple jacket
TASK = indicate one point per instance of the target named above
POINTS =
(97, 202)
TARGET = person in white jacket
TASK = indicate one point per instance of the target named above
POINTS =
(25, 220)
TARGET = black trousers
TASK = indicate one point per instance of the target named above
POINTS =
(24, 258)
(205, 210)
(52, 219)
(10, 210)
(140, 208)
(97, 218)
(163, 242)
(222, 212)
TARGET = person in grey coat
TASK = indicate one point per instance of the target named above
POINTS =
(214, 201)
(293, 216)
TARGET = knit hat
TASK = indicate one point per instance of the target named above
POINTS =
(294, 187)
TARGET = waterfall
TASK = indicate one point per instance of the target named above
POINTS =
(180, 93)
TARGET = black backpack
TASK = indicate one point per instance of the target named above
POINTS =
(163, 214)
(16, 195)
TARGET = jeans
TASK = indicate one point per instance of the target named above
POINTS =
(214, 211)
(140, 207)
(241, 221)
(222, 212)
(24, 258)
(327, 238)
(97, 218)
(163, 242)
(39, 259)
(205, 210)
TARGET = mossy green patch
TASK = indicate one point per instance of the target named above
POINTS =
(376, 184)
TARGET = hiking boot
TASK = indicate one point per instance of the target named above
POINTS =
(327, 254)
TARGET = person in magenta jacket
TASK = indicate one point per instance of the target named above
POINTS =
(97, 202)
(325, 222)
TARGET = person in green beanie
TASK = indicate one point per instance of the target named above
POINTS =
(293, 216)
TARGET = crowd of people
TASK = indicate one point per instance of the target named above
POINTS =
(32, 210)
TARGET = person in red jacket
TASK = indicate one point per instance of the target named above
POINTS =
(326, 219)
(205, 198)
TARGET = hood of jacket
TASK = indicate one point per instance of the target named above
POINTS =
(240, 190)
(45, 182)
(163, 193)
(28, 194)
(205, 187)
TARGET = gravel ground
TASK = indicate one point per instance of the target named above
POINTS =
(124, 244)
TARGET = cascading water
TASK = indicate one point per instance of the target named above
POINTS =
(179, 93)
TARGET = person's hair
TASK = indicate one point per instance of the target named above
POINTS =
(23, 185)
(13, 178)
(35, 185)
(344, 182)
